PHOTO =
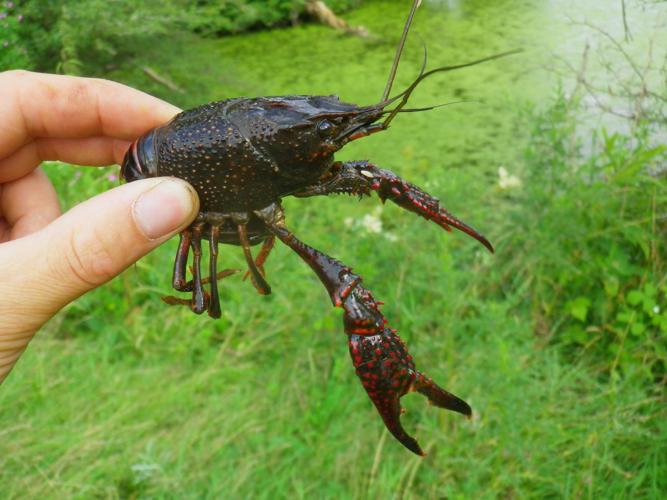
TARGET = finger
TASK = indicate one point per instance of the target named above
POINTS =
(88, 246)
(58, 106)
(29, 204)
(5, 230)
(88, 151)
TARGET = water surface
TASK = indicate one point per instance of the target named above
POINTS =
(476, 137)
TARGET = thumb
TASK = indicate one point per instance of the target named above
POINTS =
(98, 239)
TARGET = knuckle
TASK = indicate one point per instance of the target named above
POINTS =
(14, 80)
(90, 259)
(71, 98)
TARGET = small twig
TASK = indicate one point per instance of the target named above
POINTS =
(325, 15)
(618, 46)
(581, 79)
(626, 28)
(607, 109)
(644, 103)
(161, 79)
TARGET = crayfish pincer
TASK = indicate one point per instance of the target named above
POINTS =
(243, 156)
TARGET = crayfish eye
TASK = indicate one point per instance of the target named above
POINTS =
(325, 128)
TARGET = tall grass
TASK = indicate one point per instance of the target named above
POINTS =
(587, 242)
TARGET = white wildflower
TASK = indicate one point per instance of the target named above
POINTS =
(391, 237)
(372, 223)
(656, 309)
(143, 472)
(507, 181)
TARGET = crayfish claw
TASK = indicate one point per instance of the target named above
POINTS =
(380, 358)
(393, 423)
(441, 398)
(362, 178)
(387, 372)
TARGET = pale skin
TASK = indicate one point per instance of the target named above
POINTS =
(47, 259)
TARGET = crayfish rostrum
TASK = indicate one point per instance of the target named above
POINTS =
(242, 156)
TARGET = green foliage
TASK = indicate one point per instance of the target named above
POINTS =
(219, 17)
(13, 53)
(74, 37)
(589, 243)
(86, 37)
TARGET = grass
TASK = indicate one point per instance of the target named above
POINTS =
(122, 397)
(264, 407)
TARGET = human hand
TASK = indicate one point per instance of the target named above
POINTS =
(48, 260)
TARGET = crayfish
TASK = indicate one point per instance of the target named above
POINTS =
(242, 156)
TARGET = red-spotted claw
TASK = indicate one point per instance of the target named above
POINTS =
(362, 178)
(380, 357)
(385, 367)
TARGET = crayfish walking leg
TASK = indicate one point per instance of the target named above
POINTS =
(380, 357)
(191, 238)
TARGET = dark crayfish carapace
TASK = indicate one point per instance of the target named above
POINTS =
(242, 156)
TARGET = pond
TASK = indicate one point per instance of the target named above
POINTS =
(476, 136)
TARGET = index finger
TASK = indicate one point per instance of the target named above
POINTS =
(36, 105)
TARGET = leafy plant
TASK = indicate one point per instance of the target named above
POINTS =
(219, 17)
(13, 53)
(588, 243)
(90, 37)
(86, 37)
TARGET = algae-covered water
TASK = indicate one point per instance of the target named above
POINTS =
(476, 137)
(312, 59)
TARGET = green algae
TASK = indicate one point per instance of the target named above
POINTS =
(313, 59)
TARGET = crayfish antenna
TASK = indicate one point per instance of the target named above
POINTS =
(399, 49)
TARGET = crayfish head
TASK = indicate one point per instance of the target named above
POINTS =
(312, 128)
(338, 123)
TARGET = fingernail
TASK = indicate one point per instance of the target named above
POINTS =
(164, 208)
